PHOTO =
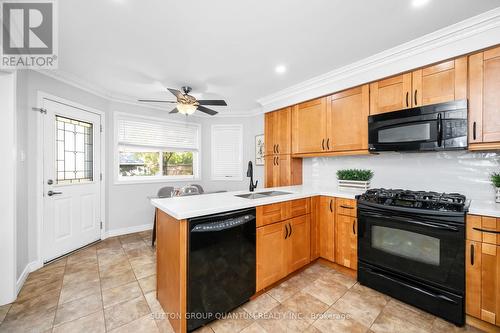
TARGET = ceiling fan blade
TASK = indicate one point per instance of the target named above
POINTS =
(207, 110)
(212, 102)
(174, 111)
(155, 101)
(175, 92)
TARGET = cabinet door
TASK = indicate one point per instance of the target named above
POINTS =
(490, 283)
(348, 120)
(473, 278)
(443, 82)
(484, 100)
(269, 130)
(283, 131)
(272, 175)
(271, 254)
(346, 247)
(327, 228)
(309, 126)
(391, 94)
(315, 231)
(298, 242)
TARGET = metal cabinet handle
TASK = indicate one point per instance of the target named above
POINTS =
(415, 97)
(277, 160)
(407, 96)
(346, 207)
(274, 149)
(353, 227)
(51, 193)
(488, 231)
(278, 148)
(323, 144)
(331, 209)
(286, 231)
(472, 254)
(328, 143)
(474, 125)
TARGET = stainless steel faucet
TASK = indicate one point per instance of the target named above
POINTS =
(250, 174)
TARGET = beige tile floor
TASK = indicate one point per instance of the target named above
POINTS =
(110, 287)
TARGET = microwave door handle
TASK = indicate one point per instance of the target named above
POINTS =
(425, 224)
(443, 297)
(440, 129)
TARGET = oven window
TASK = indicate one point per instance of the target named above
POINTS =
(407, 133)
(406, 244)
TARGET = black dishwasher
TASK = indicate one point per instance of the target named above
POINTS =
(221, 264)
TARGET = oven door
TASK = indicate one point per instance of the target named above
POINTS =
(417, 246)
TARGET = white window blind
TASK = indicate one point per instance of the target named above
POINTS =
(144, 132)
(227, 152)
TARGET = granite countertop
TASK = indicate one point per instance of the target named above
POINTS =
(200, 205)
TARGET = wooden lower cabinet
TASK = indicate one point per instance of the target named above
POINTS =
(271, 254)
(326, 222)
(483, 281)
(298, 243)
(482, 265)
(346, 246)
(282, 248)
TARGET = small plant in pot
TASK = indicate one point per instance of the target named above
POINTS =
(354, 178)
(495, 179)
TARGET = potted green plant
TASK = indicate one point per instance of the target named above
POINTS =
(495, 179)
(354, 178)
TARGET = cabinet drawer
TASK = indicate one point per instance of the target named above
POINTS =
(272, 213)
(483, 229)
(298, 207)
(346, 207)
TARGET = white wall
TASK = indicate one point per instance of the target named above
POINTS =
(463, 172)
(127, 206)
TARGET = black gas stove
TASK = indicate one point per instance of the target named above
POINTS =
(411, 246)
(444, 202)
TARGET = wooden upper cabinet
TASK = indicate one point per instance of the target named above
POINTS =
(391, 94)
(282, 170)
(484, 97)
(346, 247)
(271, 254)
(443, 82)
(278, 127)
(309, 125)
(298, 242)
(326, 226)
(348, 119)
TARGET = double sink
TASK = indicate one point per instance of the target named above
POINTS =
(261, 195)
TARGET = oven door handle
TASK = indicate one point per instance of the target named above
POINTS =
(425, 224)
(429, 293)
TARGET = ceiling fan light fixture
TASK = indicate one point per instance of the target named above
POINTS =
(186, 109)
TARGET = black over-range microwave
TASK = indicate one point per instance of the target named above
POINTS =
(432, 127)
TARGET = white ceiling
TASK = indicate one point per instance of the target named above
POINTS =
(229, 49)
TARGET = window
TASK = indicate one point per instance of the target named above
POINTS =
(74, 151)
(227, 152)
(156, 150)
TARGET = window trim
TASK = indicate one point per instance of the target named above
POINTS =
(212, 147)
(118, 180)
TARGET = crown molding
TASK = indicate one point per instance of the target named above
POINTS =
(467, 36)
(101, 92)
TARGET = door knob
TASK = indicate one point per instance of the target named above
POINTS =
(51, 193)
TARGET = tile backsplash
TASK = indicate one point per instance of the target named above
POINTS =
(453, 171)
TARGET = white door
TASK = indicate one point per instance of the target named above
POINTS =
(72, 194)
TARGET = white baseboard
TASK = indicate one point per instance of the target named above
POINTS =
(128, 230)
(30, 267)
